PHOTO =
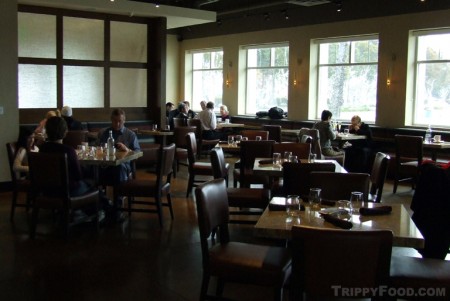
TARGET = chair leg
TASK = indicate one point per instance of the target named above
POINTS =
(169, 202)
(204, 289)
(220, 287)
(159, 209)
(278, 294)
(13, 205)
(174, 168)
(130, 202)
(190, 184)
(34, 220)
(65, 224)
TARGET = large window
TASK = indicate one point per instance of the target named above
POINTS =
(347, 77)
(207, 78)
(82, 73)
(267, 78)
(432, 80)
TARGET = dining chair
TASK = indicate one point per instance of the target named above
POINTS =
(317, 149)
(177, 122)
(75, 138)
(296, 176)
(249, 150)
(301, 150)
(408, 157)
(49, 178)
(155, 188)
(339, 186)
(327, 261)
(181, 153)
(274, 131)
(204, 146)
(195, 167)
(378, 176)
(231, 261)
(247, 201)
(252, 134)
(18, 185)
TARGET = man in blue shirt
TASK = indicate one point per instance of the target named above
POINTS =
(125, 140)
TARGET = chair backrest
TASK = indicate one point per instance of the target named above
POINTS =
(301, 150)
(339, 186)
(250, 150)
(166, 162)
(179, 134)
(11, 149)
(74, 138)
(191, 144)
(306, 139)
(212, 213)
(274, 131)
(251, 134)
(296, 176)
(49, 176)
(378, 174)
(315, 144)
(408, 148)
(179, 122)
(325, 260)
(218, 163)
(198, 124)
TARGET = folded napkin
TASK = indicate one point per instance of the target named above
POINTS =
(375, 211)
(337, 221)
(267, 161)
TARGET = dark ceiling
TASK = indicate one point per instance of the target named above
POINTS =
(235, 16)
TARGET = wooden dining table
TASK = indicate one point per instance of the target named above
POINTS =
(342, 138)
(276, 170)
(435, 147)
(275, 224)
(158, 133)
(105, 161)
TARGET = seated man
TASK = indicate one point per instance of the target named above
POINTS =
(125, 140)
(209, 123)
(358, 156)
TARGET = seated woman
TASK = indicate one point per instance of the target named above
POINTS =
(224, 114)
(358, 155)
(326, 134)
(25, 144)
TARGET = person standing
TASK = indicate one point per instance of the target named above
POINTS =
(72, 124)
(327, 133)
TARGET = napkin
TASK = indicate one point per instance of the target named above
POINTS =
(375, 211)
(337, 222)
(267, 161)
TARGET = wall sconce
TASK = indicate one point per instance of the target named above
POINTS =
(388, 79)
(227, 81)
(295, 79)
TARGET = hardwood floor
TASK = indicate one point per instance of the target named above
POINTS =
(135, 260)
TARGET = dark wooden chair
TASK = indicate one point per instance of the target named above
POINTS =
(274, 132)
(408, 157)
(195, 167)
(339, 186)
(49, 178)
(181, 153)
(251, 134)
(231, 261)
(358, 259)
(204, 146)
(247, 201)
(18, 185)
(301, 150)
(378, 176)
(151, 188)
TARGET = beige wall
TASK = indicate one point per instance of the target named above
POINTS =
(393, 32)
(8, 81)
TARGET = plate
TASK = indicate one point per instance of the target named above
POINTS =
(440, 141)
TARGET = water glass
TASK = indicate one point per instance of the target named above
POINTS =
(292, 205)
(286, 156)
(345, 209)
(314, 198)
(312, 158)
(356, 199)
(346, 132)
(293, 159)
(238, 139)
(167, 128)
(244, 138)
(276, 158)
(258, 138)
(154, 127)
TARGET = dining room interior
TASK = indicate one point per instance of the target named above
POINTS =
(132, 54)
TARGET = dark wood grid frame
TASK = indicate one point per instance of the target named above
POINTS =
(156, 67)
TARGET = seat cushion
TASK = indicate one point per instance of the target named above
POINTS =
(250, 263)
(420, 272)
(248, 197)
(202, 168)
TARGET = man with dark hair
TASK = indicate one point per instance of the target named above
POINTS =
(169, 108)
(56, 129)
(209, 122)
(327, 134)
(125, 140)
(72, 123)
(190, 113)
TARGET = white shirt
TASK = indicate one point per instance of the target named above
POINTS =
(208, 119)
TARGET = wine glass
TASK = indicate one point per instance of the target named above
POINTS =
(356, 198)
(292, 205)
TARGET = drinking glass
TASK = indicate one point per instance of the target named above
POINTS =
(238, 139)
(312, 158)
(345, 209)
(314, 198)
(276, 158)
(154, 127)
(167, 128)
(258, 138)
(230, 140)
(286, 156)
(244, 138)
(346, 132)
(356, 198)
(292, 205)
(293, 159)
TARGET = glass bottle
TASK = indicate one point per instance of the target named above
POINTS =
(428, 134)
(110, 145)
